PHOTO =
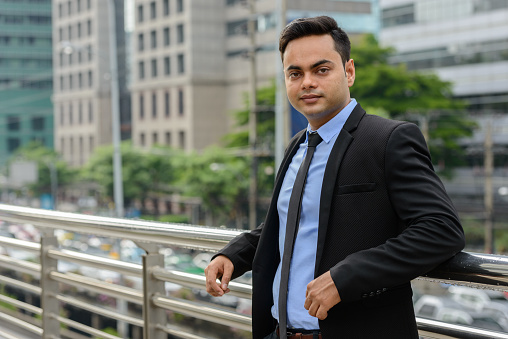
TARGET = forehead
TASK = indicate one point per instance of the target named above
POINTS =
(310, 49)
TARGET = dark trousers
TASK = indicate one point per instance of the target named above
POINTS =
(272, 335)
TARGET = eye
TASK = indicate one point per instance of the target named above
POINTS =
(293, 75)
(323, 70)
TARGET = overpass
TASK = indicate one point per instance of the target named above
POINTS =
(73, 292)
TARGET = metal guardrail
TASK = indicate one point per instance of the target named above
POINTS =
(471, 269)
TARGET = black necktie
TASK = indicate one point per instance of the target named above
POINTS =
(293, 219)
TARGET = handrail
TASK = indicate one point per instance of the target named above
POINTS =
(471, 269)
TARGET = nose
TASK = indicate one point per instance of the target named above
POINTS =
(308, 81)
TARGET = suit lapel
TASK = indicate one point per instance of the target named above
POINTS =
(331, 173)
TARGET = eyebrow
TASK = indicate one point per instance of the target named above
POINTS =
(319, 63)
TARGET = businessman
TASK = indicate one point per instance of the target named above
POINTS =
(357, 211)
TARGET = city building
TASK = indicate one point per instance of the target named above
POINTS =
(82, 77)
(191, 66)
(463, 41)
(26, 111)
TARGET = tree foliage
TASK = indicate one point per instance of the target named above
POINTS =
(142, 172)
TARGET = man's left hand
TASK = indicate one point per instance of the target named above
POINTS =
(321, 295)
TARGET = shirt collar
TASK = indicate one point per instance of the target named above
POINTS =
(333, 127)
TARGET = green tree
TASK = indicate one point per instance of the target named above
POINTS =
(142, 172)
(44, 157)
(401, 94)
(220, 179)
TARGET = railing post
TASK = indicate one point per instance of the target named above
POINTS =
(49, 302)
(153, 316)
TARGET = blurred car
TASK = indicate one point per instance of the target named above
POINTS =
(475, 298)
(447, 310)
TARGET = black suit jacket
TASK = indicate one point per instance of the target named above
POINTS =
(385, 219)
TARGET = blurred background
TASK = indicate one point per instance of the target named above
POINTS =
(175, 111)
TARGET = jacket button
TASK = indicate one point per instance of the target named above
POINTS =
(378, 292)
(372, 294)
(364, 295)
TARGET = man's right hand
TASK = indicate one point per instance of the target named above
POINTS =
(219, 268)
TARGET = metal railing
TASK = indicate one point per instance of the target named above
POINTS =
(47, 321)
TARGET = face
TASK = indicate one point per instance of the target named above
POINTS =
(317, 84)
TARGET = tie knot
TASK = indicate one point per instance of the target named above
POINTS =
(314, 139)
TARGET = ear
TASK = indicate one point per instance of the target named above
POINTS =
(350, 72)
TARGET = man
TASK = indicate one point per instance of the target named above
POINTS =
(374, 215)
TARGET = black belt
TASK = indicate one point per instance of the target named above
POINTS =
(300, 334)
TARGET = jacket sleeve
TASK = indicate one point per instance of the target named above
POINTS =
(241, 251)
(432, 232)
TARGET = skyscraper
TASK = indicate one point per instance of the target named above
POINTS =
(82, 76)
(26, 111)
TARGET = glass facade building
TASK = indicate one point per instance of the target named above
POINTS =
(26, 85)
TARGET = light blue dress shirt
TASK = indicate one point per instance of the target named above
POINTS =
(301, 271)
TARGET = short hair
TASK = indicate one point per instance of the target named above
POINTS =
(319, 25)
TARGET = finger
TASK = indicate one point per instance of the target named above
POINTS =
(313, 308)
(226, 277)
(322, 313)
(211, 282)
(307, 304)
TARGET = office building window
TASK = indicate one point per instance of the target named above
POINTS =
(90, 79)
(88, 4)
(181, 139)
(399, 15)
(78, 5)
(79, 30)
(154, 138)
(165, 7)
(13, 123)
(62, 144)
(89, 27)
(62, 85)
(166, 104)
(142, 139)
(153, 10)
(168, 138)
(91, 143)
(154, 105)
(167, 66)
(141, 106)
(90, 112)
(141, 67)
(153, 39)
(71, 115)
(62, 115)
(179, 34)
(80, 113)
(90, 53)
(80, 56)
(69, 34)
(70, 81)
(180, 102)
(154, 68)
(69, 7)
(179, 6)
(140, 13)
(70, 58)
(80, 80)
(141, 42)
(60, 34)
(38, 123)
(60, 10)
(167, 39)
(181, 64)
(13, 144)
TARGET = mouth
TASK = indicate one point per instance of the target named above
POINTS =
(310, 98)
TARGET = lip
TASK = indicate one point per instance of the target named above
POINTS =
(310, 98)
